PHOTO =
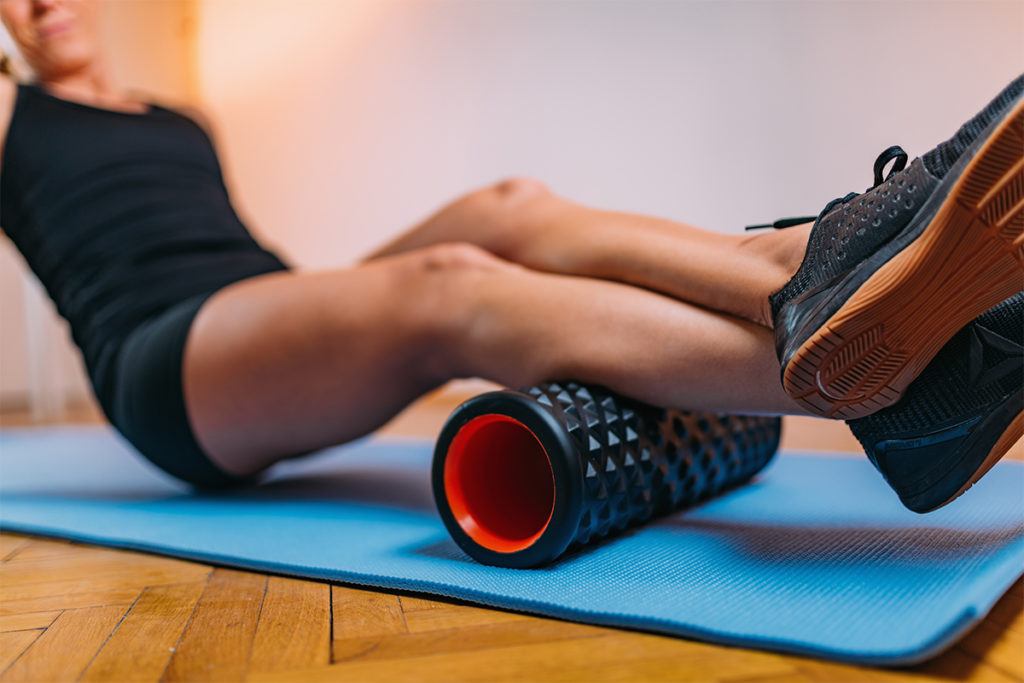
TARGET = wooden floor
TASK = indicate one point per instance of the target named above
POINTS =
(76, 612)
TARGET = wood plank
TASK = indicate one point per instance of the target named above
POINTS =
(361, 619)
(952, 664)
(411, 604)
(1009, 611)
(956, 664)
(62, 652)
(99, 564)
(776, 678)
(294, 630)
(10, 544)
(12, 644)
(30, 620)
(834, 672)
(86, 411)
(997, 646)
(627, 657)
(92, 577)
(216, 643)
(457, 616)
(142, 644)
(64, 595)
(359, 612)
(426, 416)
(817, 434)
(36, 548)
(523, 632)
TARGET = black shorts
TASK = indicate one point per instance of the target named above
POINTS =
(146, 402)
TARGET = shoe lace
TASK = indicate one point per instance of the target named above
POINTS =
(894, 154)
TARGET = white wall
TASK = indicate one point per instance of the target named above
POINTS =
(343, 122)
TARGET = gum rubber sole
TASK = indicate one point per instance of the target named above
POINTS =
(968, 259)
(1011, 435)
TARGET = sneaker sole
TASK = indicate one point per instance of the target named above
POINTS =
(968, 259)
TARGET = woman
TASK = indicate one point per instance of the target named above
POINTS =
(216, 359)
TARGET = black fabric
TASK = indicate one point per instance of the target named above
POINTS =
(941, 159)
(123, 217)
(855, 228)
(957, 382)
(149, 404)
(120, 215)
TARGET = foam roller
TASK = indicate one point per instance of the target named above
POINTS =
(522, 477)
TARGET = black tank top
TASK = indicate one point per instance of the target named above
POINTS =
(120, 215)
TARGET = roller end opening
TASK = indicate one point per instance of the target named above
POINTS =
(499, 483)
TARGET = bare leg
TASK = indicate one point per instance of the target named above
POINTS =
(521, 221)
(284, 363)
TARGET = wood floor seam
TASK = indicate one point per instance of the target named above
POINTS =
(14, 551)
(259, 615)
(401, 610)
(192, 612)
(23, 651)
(330, 608)
(112, 631)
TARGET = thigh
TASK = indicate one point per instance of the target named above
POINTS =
(285, 363)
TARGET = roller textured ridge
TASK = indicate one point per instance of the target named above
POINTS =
(638, 461)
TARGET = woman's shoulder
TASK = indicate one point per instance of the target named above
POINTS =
(189, 111)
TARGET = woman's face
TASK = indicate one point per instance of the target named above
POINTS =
(56, 37)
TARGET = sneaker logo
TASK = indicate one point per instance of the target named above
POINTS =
(947, 434)
(984, 340)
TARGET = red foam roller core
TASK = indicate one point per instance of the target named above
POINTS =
(499, 483)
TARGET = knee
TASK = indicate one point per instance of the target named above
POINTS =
(505, 200)
(452, 259)
(437, 282)
(514, 194)
(504, 214)
(434, 290)
(518, 189)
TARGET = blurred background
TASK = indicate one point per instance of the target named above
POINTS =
(342, 122)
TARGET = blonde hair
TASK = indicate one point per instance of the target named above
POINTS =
(13, 67)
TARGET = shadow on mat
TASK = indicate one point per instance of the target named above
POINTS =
(380, 486)
(848, 545)
(397, 488)
(789, 544)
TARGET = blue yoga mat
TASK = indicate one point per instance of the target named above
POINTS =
(816, 556)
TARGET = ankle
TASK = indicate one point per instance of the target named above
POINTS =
(782, 252)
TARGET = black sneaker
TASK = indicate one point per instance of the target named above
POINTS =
(958, 418)
(891, 275)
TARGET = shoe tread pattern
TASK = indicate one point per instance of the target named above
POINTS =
(968, 259)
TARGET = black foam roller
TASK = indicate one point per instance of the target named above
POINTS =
(521, 477)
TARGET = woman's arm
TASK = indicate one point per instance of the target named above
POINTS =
(8, 93)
